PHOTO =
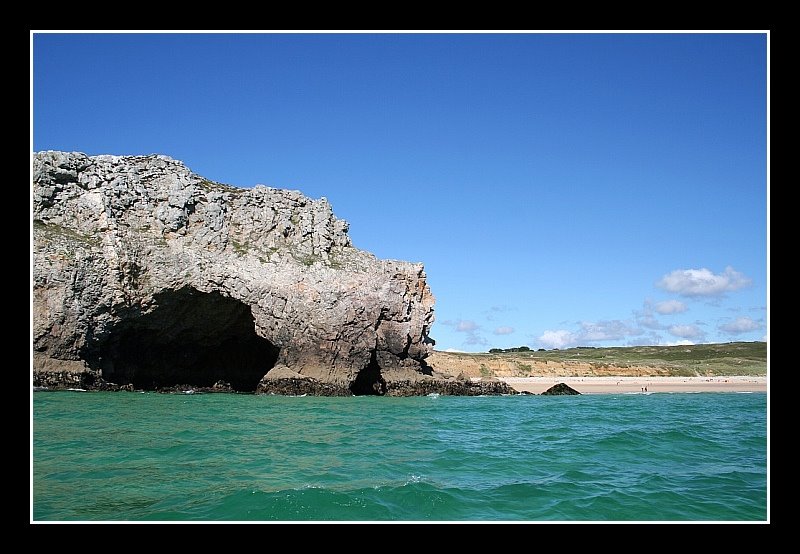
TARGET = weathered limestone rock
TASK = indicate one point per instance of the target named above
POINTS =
(149, 275)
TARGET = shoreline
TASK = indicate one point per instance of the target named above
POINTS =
(627, 385)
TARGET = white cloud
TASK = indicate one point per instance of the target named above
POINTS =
(589, 331)
(465, 326)
(495, 310)
(474, 338)
(504, 330)
(686, 331)
(645, 339)
(645, 317)
(668, 307)
(703, 282)
(649, 321)
(652, 338)
(560, 338)
(605, 330)
(469, 328)
(740, 325)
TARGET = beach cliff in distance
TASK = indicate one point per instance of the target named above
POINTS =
(149, 276)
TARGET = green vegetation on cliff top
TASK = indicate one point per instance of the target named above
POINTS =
(731, 358)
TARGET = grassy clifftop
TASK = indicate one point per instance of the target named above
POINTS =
(732, 358)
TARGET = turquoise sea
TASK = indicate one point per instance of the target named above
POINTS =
(148, 456)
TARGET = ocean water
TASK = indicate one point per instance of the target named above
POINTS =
(134, 456)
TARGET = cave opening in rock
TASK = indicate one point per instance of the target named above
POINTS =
(369, 380)
(190, 338)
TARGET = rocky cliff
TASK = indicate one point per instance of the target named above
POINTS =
(146, 275)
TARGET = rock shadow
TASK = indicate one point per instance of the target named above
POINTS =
(190, 338)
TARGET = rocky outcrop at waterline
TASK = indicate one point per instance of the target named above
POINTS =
(561, 389)
(286, 382)
(148, 275)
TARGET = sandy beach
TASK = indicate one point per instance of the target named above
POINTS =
(612, 385)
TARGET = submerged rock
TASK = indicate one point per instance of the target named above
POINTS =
(149, 276)
(560, 389)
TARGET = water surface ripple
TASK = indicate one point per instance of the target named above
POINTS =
(109, 456)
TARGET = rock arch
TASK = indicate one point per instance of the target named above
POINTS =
(188, 338)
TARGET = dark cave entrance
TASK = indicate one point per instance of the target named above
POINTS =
(191, 338)
(369, 380)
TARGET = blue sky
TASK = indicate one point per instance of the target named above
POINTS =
(561, 189)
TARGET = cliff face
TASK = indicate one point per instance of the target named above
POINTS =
(148, 275)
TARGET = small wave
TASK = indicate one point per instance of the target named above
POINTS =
(434, 395)
(39, 389)
(77, 390)
(190, 391)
